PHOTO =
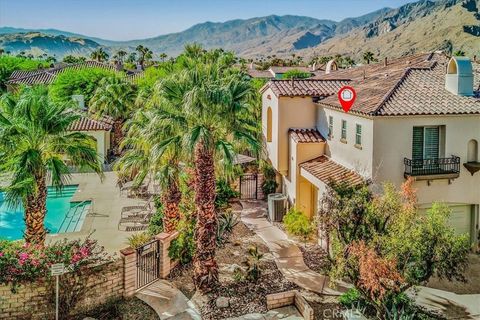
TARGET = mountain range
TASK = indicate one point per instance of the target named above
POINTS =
(419, 26)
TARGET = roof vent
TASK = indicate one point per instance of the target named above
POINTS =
(331, 66)
(459, 77)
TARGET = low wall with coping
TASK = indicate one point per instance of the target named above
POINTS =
(109, 281)
(288, 298)
(36, 300)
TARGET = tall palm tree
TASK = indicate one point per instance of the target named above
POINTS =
(35, 146)
(207, 103)
(148, 155)
(120, 55)
(114, 97)
(368, 57)
(99, 55)
(163, 56)
(145, 54)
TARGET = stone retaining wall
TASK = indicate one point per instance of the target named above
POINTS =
(34, 301)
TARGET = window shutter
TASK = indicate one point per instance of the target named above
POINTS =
(431, 143)
(417, 146)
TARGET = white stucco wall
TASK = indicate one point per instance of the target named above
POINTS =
(393, 142)
(346, 154)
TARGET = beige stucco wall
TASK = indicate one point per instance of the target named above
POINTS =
(297, 112)
(103, 142)
(393, 142)
(346, 154)
(299, 153)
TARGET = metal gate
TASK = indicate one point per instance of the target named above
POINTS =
(148, 263)
(249, 186)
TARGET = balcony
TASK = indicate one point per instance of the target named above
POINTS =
(432, 169)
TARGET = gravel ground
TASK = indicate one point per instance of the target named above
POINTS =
(122, 309)
(315, 257)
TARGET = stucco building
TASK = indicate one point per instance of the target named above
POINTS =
(415, 116)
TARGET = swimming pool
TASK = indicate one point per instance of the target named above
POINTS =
(62, 215)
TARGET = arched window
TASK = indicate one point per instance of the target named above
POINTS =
(452, 67)
(472, 151)
(269, 124)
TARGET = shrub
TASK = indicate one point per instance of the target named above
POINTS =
(269, 184)
(155, 225)
(138, 239)
(298, 224)
(21, 262)
(252, 262)
(296, 74)
(183, 247)
(226, 222)
(83, 81)
(224, 193)
(351, 298)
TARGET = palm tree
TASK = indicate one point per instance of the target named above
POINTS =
(35, 145)
(205, 104)
(368, 57)
(145, 54)
(114, 97)
(100, 55)
(120, 56)
(148, 156)
(163, 56)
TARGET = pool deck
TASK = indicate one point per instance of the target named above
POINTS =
(104, 215)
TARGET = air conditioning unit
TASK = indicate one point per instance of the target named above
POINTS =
(277, 206)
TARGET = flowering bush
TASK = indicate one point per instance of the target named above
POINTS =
(21, 262)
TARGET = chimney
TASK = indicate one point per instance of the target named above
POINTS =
(385, 62)
(292, 83)
(459, 77)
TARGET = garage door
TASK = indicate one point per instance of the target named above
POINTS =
(461, 219)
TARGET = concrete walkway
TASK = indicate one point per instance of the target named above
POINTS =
(288, 257)
(168, 302)
(289, 260)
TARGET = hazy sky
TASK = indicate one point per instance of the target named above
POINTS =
(134, 19)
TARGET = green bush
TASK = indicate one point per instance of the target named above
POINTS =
(253, 263)
(296, 74)
(226, 222)
(8, 64)
(84, 81)
(183, 247)
(298, 224)
(155, 226)
(138, 239)
(224, 193)
(351, 298)
(269, 184)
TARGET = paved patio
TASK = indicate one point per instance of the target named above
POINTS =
(107, 204)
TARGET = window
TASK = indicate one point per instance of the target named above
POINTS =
(330, 127)
(472, 151)
(269, 124)
(344, 130)
(426, 143)
(358, 134)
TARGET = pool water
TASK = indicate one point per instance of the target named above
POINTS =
(62, 215)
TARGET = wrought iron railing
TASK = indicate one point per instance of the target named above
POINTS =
(435, 166)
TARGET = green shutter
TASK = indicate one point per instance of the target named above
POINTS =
(417, 146)
(431, 143)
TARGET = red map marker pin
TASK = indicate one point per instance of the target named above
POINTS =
(347, 96)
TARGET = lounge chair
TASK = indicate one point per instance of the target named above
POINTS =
(135, 221)
(134, 210)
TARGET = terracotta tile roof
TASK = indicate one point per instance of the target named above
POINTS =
(412, 85)
(17, 74)
(86, 123)
(286, 69)
(327, 171)
(305, 87)
(47, 76)
(306, 135)
(259, 73)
